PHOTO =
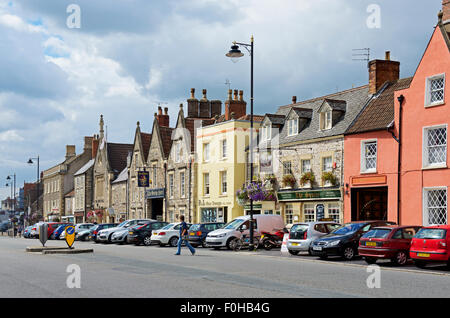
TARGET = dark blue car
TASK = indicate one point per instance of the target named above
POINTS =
(198, 232)
(59, 230)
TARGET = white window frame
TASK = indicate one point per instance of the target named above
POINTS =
(428, 102)
(291, 126)
(326, 124)
(171, 185)
(425, 204)
(224, 148)
(182, 184)
(222, 183)
(303, 166)
(363, 156)
(206, 152)
(312, 208)
(206, 185)
(289, 216)
(425, 163)
(336, 207)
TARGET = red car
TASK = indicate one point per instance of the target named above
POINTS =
(52, 226)
(431, 244)
(387, 242)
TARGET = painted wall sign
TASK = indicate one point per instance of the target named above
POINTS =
(143, 179)
(155, 193)
(309, 195)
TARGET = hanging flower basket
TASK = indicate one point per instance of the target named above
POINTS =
(254, 191)
(289, 180)
(329, 178)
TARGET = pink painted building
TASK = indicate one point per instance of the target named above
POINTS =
(403, 127)
(424, 120)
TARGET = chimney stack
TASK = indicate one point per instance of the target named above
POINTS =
(445, 11)
(205, 106)
(382, 71)
(163, 119)
(236, 106)
(70, 151)
(294, 99)
(87, 144)
(193, 105)
(95, 141)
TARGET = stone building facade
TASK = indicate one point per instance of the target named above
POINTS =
(119, 197)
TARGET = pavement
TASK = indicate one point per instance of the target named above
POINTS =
(116, 271)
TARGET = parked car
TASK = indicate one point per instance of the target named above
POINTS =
(198, 232)
(60, 229)
(105, 235)
(344, 240)
(387, 242)
(262, 223)
(94, 231)
(121, 236)
(83, 226)
(169, 234)
(302, 235)
(34, 233)
(27, 232)
(142, 234)
(431, 245)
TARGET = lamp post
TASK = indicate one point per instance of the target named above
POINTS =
(13, 192)
(30, 161)
(234, 54)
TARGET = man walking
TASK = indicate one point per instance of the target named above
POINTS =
(183, 237)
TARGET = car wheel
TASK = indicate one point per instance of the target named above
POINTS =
(204, 244)
(349, 253)
(173, 241)
(229, 242)
(370, 260)
(420, 264)
(310, 252)
(293, 252)
(109, 239)
(147, 241)
(400, 258)
(162, 245)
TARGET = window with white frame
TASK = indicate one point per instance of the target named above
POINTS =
(369, 156)
(206, 183)
(223, 180)
(326, 120)
(266, 133)
(308, 212)
(287, 168)
(435, 90)
(435, 146)
(289, 214)
(435, 206)
(327, 164)
(182, 184)
(206, 152)
(334, 212)
(306, 165)
(171, 185)
(292, 127)
(224, 148)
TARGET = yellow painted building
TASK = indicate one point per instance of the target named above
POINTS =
(221, 161)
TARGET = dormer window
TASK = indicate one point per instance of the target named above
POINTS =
(292, 126)
(266, 133)
(326, 119)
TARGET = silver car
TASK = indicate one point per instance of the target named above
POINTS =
(302, 234)
(105, 236)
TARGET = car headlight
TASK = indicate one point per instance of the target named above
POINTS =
(334, 243)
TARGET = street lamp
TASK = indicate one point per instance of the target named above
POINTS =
(235, 54)
(30, 162)
(11, 183)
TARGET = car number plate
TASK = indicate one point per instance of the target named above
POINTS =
(295, 244)
(371, 244)
(131, 233)
(317, 248)
(191, 234)
(423, 254)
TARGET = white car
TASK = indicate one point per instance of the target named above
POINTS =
(105, 236)
(167, 235)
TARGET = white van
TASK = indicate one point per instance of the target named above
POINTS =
(263, 223)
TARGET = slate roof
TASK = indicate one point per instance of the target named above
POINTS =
(335, 104)
(146, 139)
(166, 139)
(379, 112)
(85, 168)
(117, 156)
(122, 177)
(276, 119)
(355, 98)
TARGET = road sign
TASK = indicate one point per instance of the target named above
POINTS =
(70, 235)
(43, 233)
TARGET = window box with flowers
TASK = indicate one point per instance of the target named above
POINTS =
(329, 179)
(289, 181)
(307, 180)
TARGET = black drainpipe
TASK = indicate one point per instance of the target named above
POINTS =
(401, 99)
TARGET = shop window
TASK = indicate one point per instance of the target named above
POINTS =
(334, 212)
(289, 214)
(308, 212)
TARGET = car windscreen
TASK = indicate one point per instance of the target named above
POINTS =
(437, 234)
(377, 233)
(168, 226)
(233, 225)
(122, 224)
(348, 228)
(195, 227)
(297, 231)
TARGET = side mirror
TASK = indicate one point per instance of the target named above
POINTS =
(243, 227)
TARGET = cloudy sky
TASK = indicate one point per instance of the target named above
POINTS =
(129, 55)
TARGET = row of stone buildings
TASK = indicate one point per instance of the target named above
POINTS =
(342, 156)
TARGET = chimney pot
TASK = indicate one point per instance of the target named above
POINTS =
(382, 71)
(159, 110)
(230, 92)
(241, 96)
(166, 111)
(235, 94)
(445, 11)
(294, 99)
(192, 93)
(204, 93)
(388, 56)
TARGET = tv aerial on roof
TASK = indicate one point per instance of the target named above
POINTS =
(361, 55)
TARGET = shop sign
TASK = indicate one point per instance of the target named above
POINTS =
(309, 195)
(155, 193)
(255, 206)
(320, 211)
(143, 179)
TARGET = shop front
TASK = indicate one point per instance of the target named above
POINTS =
(215, 211)
(79, 217)
(155, 203)
(263, 207)
(311, 205)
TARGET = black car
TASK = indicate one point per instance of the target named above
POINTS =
(198, 232)
(344, 240)
(94, 230)
(141, 234)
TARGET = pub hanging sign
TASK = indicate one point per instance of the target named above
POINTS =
(143, 179)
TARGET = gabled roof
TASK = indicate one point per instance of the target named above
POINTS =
(301, 112)
(117, 156)
(145, 139)
(340, 105)
(275, 119)
(122, 177)
(166, 139)
(379, 112)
